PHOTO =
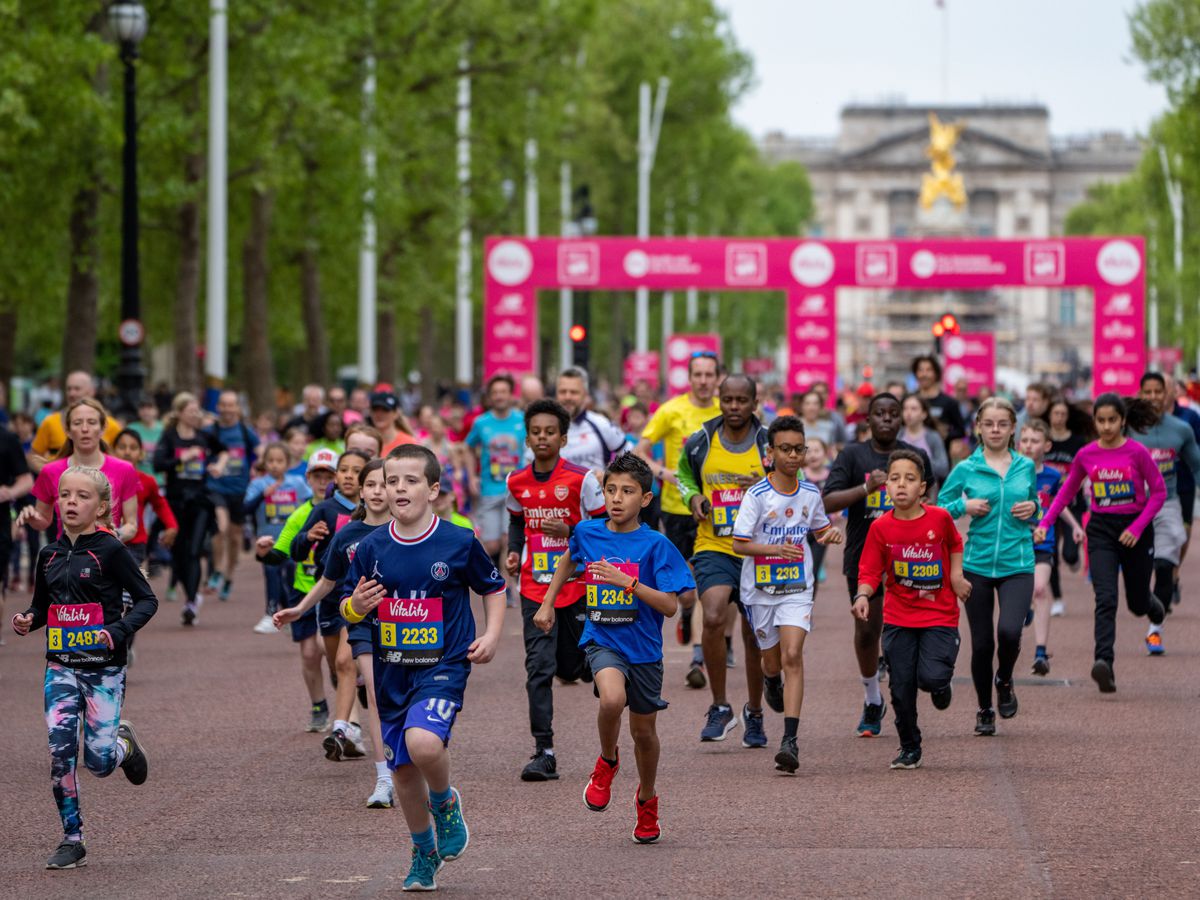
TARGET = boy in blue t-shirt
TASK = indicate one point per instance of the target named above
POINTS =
(414, 578)
(632, 575)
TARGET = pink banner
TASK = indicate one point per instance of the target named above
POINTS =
(680, 348)
(812, 340)
(1166, 357)
(970, 356)
(642, 367)
(758, 366)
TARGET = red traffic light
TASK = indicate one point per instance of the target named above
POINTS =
(949, 323)
(938, 329)
(578, 333)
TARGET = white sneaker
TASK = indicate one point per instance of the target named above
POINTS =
(265, 626)
(355, 748)
(384, 795)
(1058, 609)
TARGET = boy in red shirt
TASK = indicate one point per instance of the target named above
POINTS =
(911, 550)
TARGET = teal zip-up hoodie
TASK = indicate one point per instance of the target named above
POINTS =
(998, 544)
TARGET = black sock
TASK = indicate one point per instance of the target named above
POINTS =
(775, 681)
(790, 724)
(322, 705)
(612, 762)
(728, 643)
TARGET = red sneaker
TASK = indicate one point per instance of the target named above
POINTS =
(646, 831)
(598, 793)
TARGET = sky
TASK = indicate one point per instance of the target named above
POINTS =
(812, 57)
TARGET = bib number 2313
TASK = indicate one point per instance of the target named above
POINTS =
(411, 632)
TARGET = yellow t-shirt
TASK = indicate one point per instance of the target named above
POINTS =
(50, 435)
(717, 481)
(673, 423)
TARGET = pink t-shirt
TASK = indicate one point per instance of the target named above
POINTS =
(1125, 480)
(121, 476)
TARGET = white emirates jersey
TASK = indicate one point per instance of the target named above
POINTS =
(768, 516)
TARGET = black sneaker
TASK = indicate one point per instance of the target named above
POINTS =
(1041, 665)
(941, 699)
(335, 746)
(985, 722)
(135, 765)
(871, 722)
(788, 757)
(189, 613)
(1006, 699)
(908, 759)
(1102, 674)
(542, 766)
(69, 855)
(773, 693)
(1156, 613)
(695, 678)
(685, 626)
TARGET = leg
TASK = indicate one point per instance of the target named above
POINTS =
(220, 543)
(330, 644)
(791, 652)
(1041, 603)
(430, 756)
(63, 700)
(753, 663)
(366, 669)
(347, 672)
(646, 751)
(310, 668)
(772, 662)
(413, 797)
(980, 611)
(610, 684)
(866, 639)
(715, 601)
(1104, 561)
(936, 657)
(103, 693)
(570, 662)
(901, 647)
(1137, 565)
(540, 649)
(1014, 593)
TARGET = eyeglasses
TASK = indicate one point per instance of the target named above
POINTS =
(791, 449)
(704, 354)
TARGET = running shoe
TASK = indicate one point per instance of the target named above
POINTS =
(597, 794)
(190, 609)
(1006, 699)
(788, 757)
(753, 735)
(335, 745)
(1156, 613)
(453, 835)
(135, 765)
(719, 721)
(985, 723)
(1041, 665)
(872, 718)
(683, 629)
(68, 855)
(908, 759)
(1154, 645)
(1102, 674)
(384, 794)
(226, 589)
(646, 830)
(542, 766)
(730, 659)
(1058, 609)
(318, 719)
(941, 699)
(265, 626)
(695, 678)
(773, 693)
(214, 581)
(170, 595)
(423, 871)
(1175, 598)
(355, 748)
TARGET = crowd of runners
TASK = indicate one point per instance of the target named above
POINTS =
(376, 520)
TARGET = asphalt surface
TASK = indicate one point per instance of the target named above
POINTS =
(1079, 795)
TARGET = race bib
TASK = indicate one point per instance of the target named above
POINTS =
(308, 568)
(74, 628)
(1112, 487)
(776, 576)
(235, 465)
(545, 552)
(502, 463)
(1165, 459)
(189, 463)
(411, 632)
(917, 566)
(278, 505)
(878, 501)
(725, 505)
(608, 604)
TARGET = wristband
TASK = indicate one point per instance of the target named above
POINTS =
(866, 597)
(633, 587)
(348, 613)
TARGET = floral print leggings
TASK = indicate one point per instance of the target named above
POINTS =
(93, 695)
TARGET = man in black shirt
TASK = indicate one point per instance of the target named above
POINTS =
(856, 484)
(15, 482)
(942, 406)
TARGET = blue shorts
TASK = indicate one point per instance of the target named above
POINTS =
(329, 617)
(715, 569)
(304, 627)
(431, 714)
(361, 637)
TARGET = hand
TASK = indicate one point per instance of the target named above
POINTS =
(829, 536)
(367, 595)
(789, 551)
(5, 494)
(876, 480)
(1128, 538)
(668, 476)
(277, 486)
(962, 587)
(861, 609)
(25, 515)
(544, 618)
(216, 470)
(482, 649)
(318, 533)
(1078, 535)
(700, 507)
(263, 545)
(512, 563)
(556, 528)
(1039, 535)
(167, 538)
(977, 506)
(1024, 510)
(746, 481)
(610, 574)
(284, 616)
(106, 638)
(21, 623)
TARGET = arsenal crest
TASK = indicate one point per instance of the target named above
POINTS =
(561, 492)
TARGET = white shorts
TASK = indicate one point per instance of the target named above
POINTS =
(1169, 536)
(491, 518)
(766, 619)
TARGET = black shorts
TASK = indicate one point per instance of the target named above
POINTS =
(715, 569)
(1043, 556)
(329, 617)
(231, 502)
(852, 586)
(1187, 505)
(680, 531)
(643, 681)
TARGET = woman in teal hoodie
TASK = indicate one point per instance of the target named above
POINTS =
(997, 488)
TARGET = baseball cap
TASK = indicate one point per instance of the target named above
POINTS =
(384, 400)
(322, 459)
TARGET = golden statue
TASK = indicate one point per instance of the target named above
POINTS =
(942, 180)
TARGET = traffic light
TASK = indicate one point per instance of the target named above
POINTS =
(578, 334)
(949, 324)
(579, 345)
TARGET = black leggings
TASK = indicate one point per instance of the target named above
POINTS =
(1106, 556)
(996, 637)
(194, 516)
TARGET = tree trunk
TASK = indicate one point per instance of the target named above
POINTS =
(187, 282)
(83, 286)
(257, 370)
(8, 349)
(314, 322)
(385, 344)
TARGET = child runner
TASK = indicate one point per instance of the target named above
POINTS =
(632, 576)
(909, 550)
(271, 499)
(372, 512)
(129, 448)
(1127, 493)
(997, 488)
(1034, 442)
(277, 552)
(774, 522)
(1070, 431)
(77, 598)
(546, 500)
(296, 441)
(816, 473)
(414, 578)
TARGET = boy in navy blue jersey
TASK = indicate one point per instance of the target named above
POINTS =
(631, 576)
(414, 578)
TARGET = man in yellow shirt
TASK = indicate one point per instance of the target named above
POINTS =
(51, 435)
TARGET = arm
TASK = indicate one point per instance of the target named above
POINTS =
(962, 587)
(1156, 494)
(281, 551)
(19, 488)
(35, 616)
(1064, 496)
(516, 542)
(145, 604)
(129, 519)
(319, 592)
(162, 508)
(254, 492)
(950, 498)
(1190, 455)
(689, 485)
(483, 649)
(870, 573)
(37, 516)
(303, 541)
(841, 491)
(164, 453)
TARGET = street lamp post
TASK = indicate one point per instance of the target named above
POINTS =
(129, 22)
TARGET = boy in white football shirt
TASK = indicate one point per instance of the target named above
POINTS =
(773, 524)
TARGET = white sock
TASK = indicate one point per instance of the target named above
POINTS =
(122, 751)
(871, 690)
(1154, 629)
(549, 751)
(343, 725)
(381, 771)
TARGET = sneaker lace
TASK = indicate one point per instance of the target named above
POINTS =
(715, 714)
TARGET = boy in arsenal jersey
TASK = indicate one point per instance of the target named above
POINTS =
(916, 553)
(546, 500)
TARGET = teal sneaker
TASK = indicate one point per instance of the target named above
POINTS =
(452, 832)
(423, 871)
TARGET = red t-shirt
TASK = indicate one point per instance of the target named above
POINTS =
(571, 493)
(148, 493)
(912, 558)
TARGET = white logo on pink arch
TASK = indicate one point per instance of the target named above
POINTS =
(1118, 262)
(811, 264)
(510, 263)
